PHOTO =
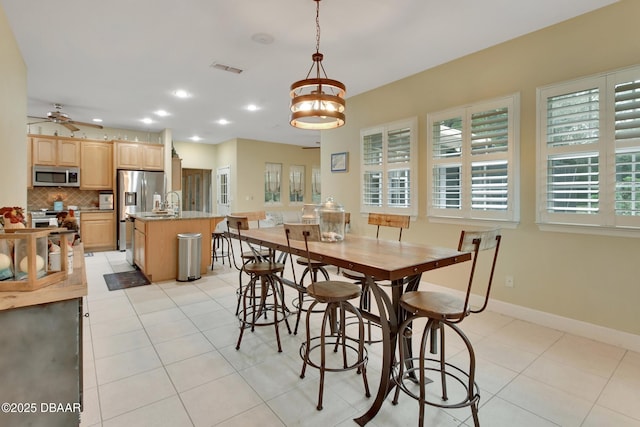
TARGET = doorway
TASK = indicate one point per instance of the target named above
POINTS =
(196, 190)
(224, 201)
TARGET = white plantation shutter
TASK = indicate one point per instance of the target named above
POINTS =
(388, 162)
(589, 151)
(473, 161)
(627, 134)
(372, 169)
(573, 126)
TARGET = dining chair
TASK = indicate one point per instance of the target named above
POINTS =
(443, 310)
(379, 220)
(264, 293)
(336, 295)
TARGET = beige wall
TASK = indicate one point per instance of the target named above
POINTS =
(252, 156)
(246, 159)
(590, 278)
(13, 113)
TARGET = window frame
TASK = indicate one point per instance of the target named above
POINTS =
(606, 221)
(466, 214)
(386, 167)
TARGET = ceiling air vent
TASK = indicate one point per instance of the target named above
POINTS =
(219, 66)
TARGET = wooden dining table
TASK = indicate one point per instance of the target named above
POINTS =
(400, 263)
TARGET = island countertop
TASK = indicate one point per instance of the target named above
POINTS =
(155, 216)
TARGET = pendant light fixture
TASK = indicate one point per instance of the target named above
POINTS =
(317, 102)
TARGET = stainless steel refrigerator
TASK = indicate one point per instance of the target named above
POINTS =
(135, 195)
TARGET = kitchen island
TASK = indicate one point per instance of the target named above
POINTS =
(156, 241)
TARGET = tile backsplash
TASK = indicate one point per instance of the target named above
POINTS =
(43, 197)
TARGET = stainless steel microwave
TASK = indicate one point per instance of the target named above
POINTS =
(52, 176)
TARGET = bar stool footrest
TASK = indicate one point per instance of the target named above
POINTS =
(409, 383)
(331, 356)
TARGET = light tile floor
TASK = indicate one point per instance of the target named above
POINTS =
(164, 355)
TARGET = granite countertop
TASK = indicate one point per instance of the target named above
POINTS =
(155, 216)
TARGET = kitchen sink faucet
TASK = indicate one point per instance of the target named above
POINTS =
(170, 205)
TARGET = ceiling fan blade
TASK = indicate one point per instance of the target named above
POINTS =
(69, 126)
(40, 118)
(41, 121)
(92, 125)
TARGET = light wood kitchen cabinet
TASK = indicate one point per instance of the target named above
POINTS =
(139, 249)
(139, 156)
(96, 165)
(153, 157)
(176, 174)
(98, 230)
(55, 151)
(139, 245)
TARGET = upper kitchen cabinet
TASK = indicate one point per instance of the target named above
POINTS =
(55, 151)
(96, 165)
(139, 156)
(153, 157)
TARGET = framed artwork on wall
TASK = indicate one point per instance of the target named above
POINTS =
(339, 162)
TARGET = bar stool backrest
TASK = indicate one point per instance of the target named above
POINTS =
(302, 232)
(237, 223)
(256, 216)
(477, 242)
(389, 220)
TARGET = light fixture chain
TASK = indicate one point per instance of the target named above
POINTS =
(317, 26)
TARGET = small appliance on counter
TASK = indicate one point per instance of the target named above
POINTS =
(105, 200)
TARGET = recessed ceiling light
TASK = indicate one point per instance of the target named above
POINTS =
(252, 107)
(223, 122)
(147, 121)
(195, 138)
(161, 113)
(181, 93)
(97, 120)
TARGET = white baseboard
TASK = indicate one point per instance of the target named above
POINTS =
(576, 327)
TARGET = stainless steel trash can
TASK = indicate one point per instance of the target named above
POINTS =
(189, 256)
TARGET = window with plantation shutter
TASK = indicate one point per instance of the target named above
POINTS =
(388, 163)
(472, 156)
(589, 153)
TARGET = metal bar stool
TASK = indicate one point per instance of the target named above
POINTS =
(264, 285)
(252, 255)
(379, 220)
(221, 246)
(442, 311)
(336, 296)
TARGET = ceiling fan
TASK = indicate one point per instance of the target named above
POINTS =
(63, 119)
